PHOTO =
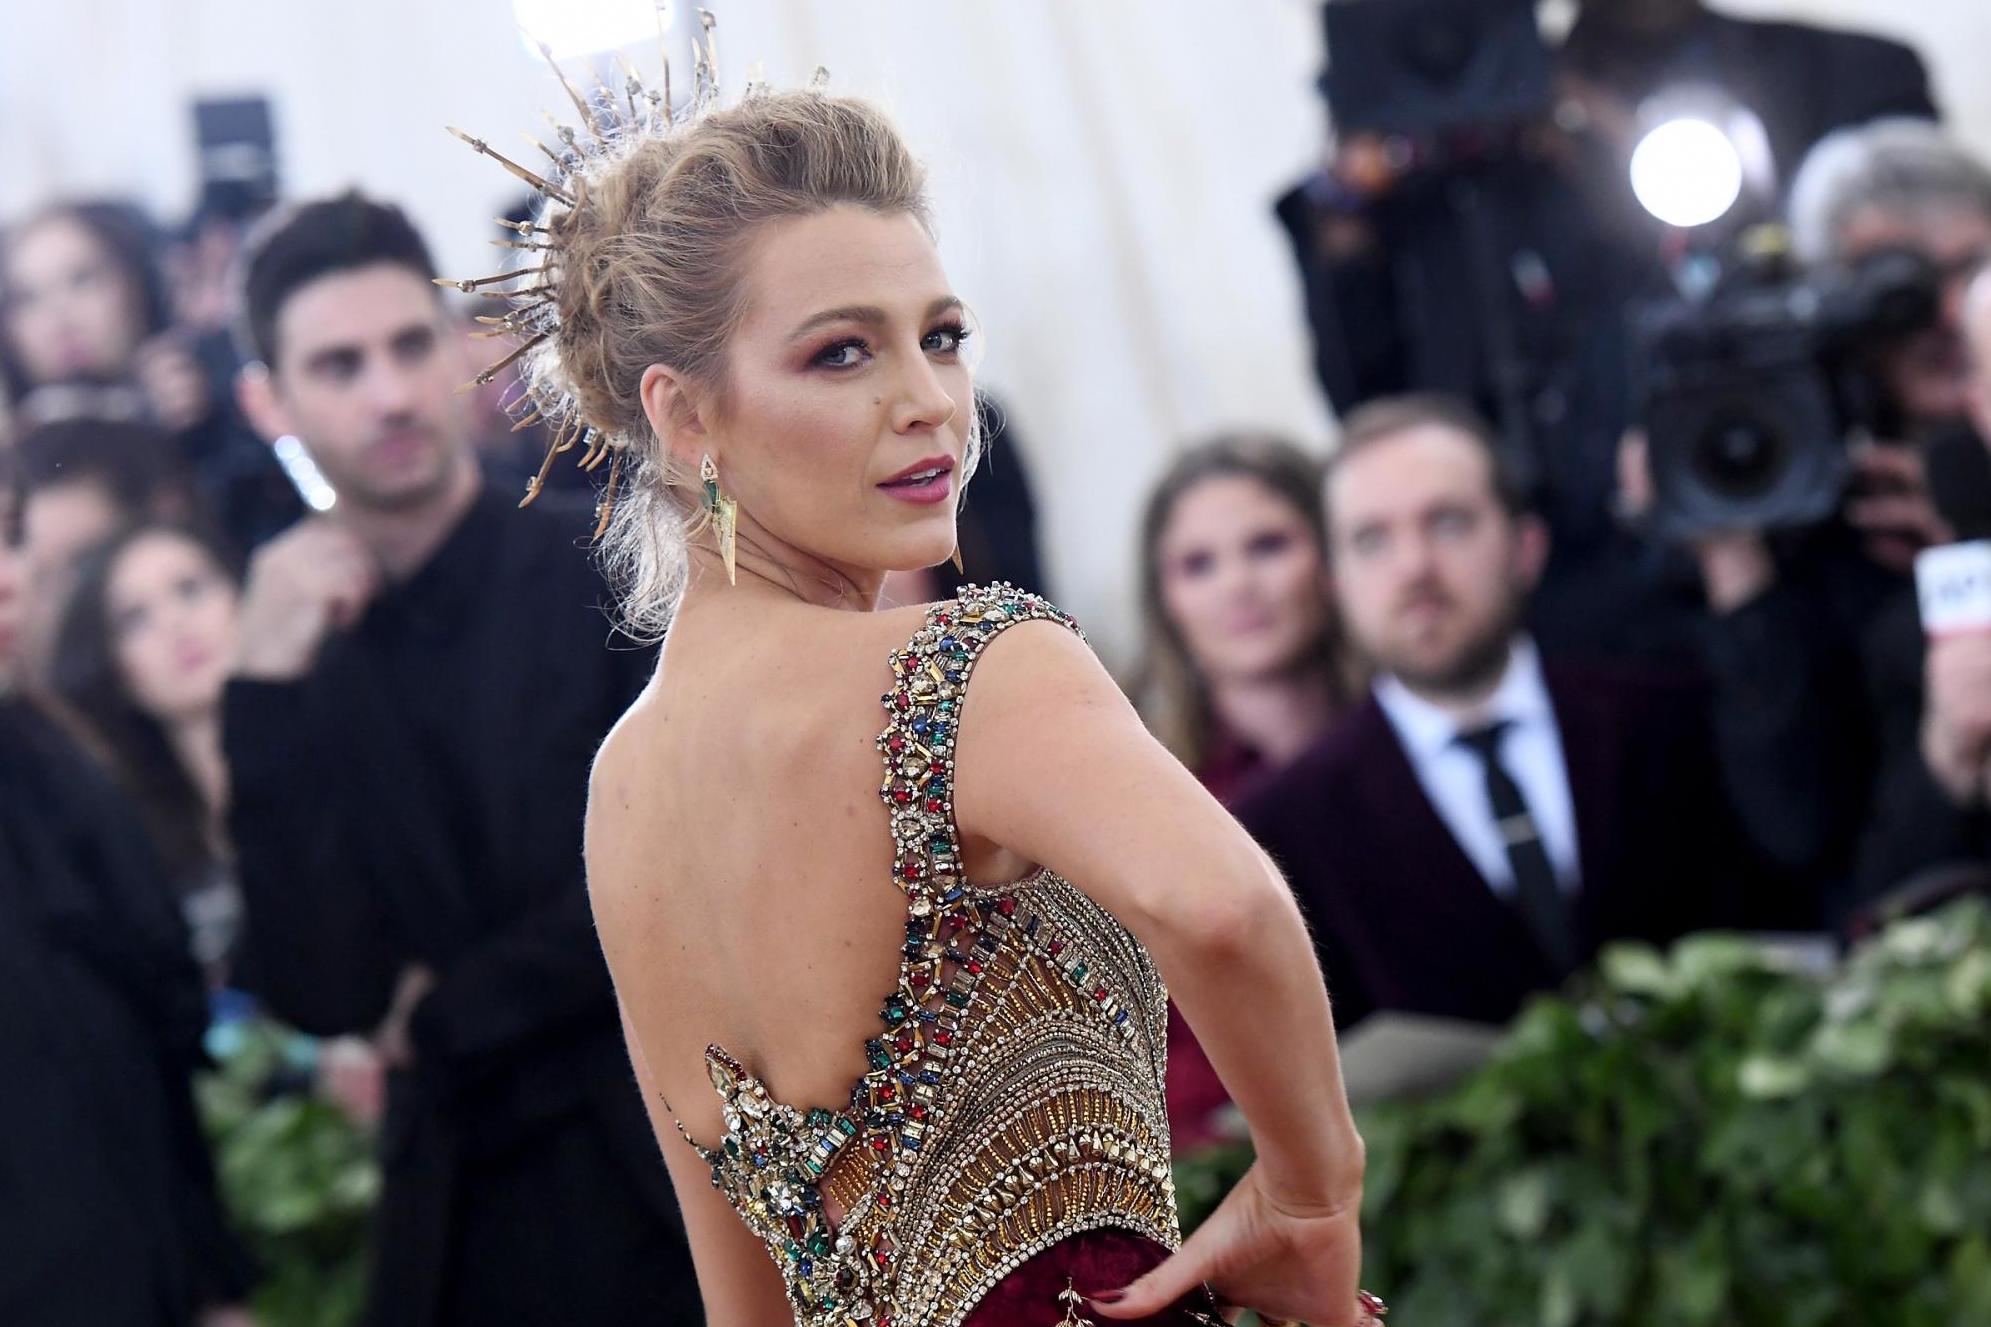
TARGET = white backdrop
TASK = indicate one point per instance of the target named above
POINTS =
(1103, 169)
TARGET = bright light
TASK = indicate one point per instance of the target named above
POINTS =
(304, 474)
(588, 27)
(1687, 173)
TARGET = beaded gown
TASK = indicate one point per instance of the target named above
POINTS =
(1008, 1146)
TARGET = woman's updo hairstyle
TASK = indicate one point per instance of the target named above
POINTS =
(651, 270)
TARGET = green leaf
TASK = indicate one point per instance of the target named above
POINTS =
(1523, 1204)
(1558, 1302)
(1861, 1049)
(1771, 1078)
(1638, 970)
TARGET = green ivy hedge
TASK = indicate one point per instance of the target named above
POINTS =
(1709, 1136)
(297, 1177)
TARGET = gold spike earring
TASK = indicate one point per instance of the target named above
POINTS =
(725, 513)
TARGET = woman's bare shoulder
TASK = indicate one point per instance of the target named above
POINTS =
(803, 679)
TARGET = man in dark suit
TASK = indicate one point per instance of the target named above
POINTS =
(1483, 821)
(423, 677)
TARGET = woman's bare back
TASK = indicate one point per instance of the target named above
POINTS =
(736, 812)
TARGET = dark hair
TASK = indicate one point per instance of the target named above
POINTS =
(1169, 685)
(137, 464)
(128, 238)
(1389, 417)
(84, 674)
(297, 245)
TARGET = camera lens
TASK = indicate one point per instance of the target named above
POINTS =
(1739, 453)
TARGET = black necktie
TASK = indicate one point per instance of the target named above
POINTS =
(1535, 888)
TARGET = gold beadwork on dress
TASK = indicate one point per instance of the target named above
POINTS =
(1015, 1096)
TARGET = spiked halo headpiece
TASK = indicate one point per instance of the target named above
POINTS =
(610, 122)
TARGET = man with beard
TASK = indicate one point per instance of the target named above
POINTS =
(1476, 828)
(423, 677)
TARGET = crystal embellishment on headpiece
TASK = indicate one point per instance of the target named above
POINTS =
(609, 124)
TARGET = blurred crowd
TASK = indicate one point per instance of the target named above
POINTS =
(1583, 631)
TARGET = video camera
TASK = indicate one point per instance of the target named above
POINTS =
(1433, 68)
(1750, 395)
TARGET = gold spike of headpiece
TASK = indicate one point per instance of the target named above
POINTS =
(632, 87)
(490, 371)
(705, 56)
(547, 187)
(580, 103)
(551, 155)
(534, 315)
(663, 12)
(545, 292)
(605, 506)
(670, 115)
(471, 283)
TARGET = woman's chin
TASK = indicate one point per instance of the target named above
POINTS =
(923, 558)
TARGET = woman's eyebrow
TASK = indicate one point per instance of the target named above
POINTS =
(870, 315)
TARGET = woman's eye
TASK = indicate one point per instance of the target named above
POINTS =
(944, 340)
(1270, 544)
(843, 355)
(1196, 564)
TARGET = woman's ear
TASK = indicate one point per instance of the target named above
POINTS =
(675, 415)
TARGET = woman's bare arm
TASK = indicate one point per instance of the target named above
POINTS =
(1054, 764)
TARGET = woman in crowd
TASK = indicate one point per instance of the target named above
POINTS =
(101, 1015)
(1244, 667)
(83, 304)
(86, 330)
(143, 653)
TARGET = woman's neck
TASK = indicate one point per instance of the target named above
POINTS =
(765, 566)
(1278, 715)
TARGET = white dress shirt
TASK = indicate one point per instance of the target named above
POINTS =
(1454, 777)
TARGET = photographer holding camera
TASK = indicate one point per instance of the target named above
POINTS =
(1474, 230)
(1788, 434)
(1930, 807)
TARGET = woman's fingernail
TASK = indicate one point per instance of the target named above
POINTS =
(1108, 1297)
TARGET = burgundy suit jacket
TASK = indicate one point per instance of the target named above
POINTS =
(1402, 918)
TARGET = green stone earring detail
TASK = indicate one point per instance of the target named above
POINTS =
(725, 513)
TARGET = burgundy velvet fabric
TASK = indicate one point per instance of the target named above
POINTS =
(1196, 1096)
(1093, 1261)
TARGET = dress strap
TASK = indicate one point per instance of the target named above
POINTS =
(930, 682)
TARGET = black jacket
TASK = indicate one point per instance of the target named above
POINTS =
(418, 799)
(108, 1212)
